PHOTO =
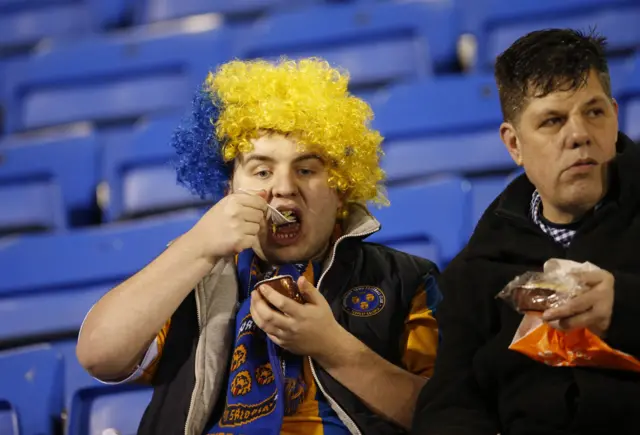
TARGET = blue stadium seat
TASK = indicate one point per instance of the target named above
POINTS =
(50, 281)
(8, 422)
(92, 406)
(120, 409)
(138, 172)
(433, 213)
(484, 190)
(47, 184)
(498, 23)
(27, 26)
(150, 11)
(412, 38)
(30, 390)
(127, 77)
(112, 13)
(76, 378)
(628, 96)
(24, 23)
(441, 125)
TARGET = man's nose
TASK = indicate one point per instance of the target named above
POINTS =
(578, 134)
(284, 185)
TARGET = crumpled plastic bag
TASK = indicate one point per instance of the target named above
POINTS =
(533, 293)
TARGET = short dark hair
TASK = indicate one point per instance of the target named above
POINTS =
(545, 61)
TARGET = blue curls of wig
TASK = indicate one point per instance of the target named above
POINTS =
(199, 165)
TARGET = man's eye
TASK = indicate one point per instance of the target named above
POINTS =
(596, 112)
(306, 172)
(551, 122)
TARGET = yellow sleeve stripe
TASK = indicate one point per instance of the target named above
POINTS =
(149, 371)
(420, 340)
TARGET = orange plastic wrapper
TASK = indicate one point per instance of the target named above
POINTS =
(534, 292)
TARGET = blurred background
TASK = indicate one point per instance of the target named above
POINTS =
(90, 91)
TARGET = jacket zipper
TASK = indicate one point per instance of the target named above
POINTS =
(195, 387)
(332, 401)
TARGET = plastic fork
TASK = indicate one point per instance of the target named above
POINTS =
(275, 215)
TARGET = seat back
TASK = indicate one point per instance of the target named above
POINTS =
(8, 420)
(93, 407)
(48, 184)
(498, 23)
(412, 38)
(30, 390)
(484, 190)
(128, 77)
(137, 168)
(150, 11)
(23, 24)
(628, 96)
(428, 131)
(49, 282)
(436, 212)
(108, 411)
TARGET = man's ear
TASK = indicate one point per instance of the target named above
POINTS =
(616, 108)
(510, 140)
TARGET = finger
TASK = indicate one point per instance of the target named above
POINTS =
(253, 201)
(281, 302)
(309, 292)
(582, 320)
(591, 278)
(248, 214)
(572, 307)
(271, 321)
(250, 228)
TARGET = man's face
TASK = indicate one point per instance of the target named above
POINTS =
(296, 181)
(563, 141)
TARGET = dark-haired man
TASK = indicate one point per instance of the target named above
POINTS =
(579, 200)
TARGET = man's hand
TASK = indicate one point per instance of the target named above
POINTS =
(591, 309)
(304, 329)
(232, 225)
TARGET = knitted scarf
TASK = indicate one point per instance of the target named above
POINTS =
(265, 382)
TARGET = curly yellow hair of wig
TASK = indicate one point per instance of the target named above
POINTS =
(309, 100)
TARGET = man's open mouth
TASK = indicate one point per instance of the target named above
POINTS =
(287, 231)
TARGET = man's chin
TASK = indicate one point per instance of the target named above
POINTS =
(284, 254)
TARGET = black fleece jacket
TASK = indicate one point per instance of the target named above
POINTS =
(480, 387)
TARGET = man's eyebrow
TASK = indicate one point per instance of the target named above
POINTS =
(305, 157)
(257, 157)
(595, 100)
(551, 112)
(266, 159)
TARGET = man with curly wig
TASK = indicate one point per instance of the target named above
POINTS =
(209, 322)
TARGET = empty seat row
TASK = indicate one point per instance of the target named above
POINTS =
(25, 23)
(497, 23)
(43, 382)
(137, 73)
(49, 281)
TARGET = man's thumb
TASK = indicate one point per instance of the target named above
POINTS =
(306, 288)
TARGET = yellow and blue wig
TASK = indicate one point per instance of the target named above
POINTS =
(305, 98)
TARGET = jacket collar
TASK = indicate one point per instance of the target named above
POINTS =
(360, 222)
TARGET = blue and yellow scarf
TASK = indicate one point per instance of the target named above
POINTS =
(265, 382)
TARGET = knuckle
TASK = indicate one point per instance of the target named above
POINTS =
(267, 318)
